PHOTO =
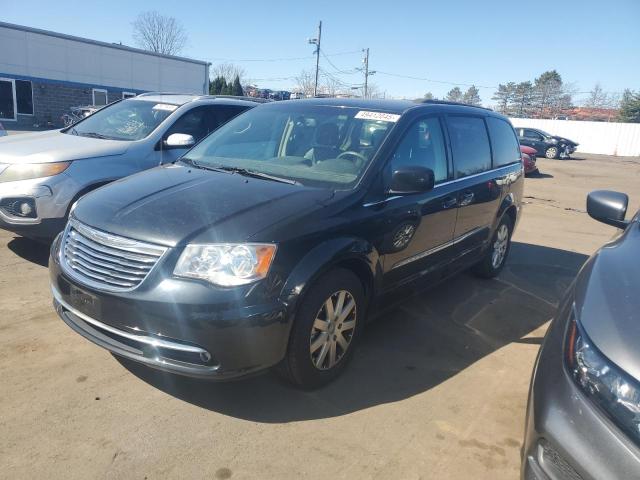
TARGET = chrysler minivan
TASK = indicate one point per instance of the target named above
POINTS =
(267, 243)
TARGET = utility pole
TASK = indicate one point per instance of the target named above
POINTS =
(366, 71)
(316, 41)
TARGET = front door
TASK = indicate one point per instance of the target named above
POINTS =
(419, 227)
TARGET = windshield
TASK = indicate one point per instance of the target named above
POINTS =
(125, 120)
(313, 145)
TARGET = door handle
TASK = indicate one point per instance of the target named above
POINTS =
(449, 202)
(467, 198)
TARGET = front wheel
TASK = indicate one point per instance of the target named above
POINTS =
(495, 258)
(326, 329)
(551, 152)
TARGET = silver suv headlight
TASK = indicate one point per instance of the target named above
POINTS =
(226, 264)
(608, 386)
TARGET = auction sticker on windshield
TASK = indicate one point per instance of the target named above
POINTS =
(385, 117)
(165, 106)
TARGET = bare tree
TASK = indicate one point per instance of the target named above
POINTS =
(158, 33)
(305, 83)
(598, 98)
(229, 71)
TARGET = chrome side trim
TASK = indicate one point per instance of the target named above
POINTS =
(385, 200)
(437, 248)
(152, 341)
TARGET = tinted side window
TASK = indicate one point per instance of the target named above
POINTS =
(423, 145)
(532, 134)
(193, 123)
(505, 144)
(469, 145)
(222, 114)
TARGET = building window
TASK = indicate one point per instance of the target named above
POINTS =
(126, 95)
(99, 97)
(7, 99)
(24, 97)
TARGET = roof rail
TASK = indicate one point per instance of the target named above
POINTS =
(239, 97)
(447, 102)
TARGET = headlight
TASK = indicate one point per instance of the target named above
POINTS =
(26, 171)
(613, 390)
(226, 264)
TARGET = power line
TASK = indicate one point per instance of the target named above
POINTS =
(338, 70)
(435, 81)
(283, 59)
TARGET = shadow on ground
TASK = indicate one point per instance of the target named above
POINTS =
(420, 339)
(31, 250)
(540, 175)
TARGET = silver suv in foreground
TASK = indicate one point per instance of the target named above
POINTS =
(42, 174)
(583, 418)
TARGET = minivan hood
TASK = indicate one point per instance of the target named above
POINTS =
(606, 300)
(55, 146)
(175, 205)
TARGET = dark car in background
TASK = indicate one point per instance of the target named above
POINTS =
(583, 416)
(551, 146)
(267, 243)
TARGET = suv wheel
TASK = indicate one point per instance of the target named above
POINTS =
(326, 329)
(551, 152)
(496, 256)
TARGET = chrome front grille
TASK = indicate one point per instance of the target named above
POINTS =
(105, 261)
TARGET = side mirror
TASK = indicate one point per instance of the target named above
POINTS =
(179, 140)
(608, 207)
(412, 179)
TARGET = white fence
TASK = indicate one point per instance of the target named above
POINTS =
(621, 139)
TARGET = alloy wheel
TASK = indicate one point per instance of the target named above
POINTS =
(500, 246)
(551, 152)
(333, 330)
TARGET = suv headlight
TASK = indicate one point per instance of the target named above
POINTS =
(27, 171)
(226, 264)
(613, 390)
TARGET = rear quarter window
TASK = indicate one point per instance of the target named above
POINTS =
(469, 145)
(506, 148)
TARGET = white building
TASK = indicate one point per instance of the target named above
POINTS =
(43, 74)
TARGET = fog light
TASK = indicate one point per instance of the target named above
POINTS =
(25, 208)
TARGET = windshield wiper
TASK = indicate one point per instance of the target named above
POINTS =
(255, 174)
(94, 135)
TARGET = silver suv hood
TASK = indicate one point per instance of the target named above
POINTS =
(54, 146)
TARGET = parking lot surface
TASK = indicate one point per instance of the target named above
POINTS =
(437, 390)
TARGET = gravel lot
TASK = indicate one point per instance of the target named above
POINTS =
(437, 390)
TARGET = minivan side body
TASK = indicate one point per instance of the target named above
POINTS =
(368, 234)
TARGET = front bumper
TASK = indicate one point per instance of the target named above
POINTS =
(179, 326)
(50, 197)
(566, 436)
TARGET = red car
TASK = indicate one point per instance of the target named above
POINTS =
(529, 159)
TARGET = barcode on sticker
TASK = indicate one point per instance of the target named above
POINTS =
(385, 117)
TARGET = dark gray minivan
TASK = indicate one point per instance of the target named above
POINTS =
(267, 243)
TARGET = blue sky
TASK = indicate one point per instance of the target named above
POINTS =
(479, 42)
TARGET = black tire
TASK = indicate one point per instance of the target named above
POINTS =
(298, 366)
(552, 152)
(487, 267)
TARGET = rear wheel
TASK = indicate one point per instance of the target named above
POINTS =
(495, 258)
(551, 152)
(326, 329)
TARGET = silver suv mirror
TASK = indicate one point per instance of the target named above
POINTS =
(179, 140)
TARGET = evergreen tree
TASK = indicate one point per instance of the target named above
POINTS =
(550, 95)
(521, 105)
(505, 97)
(236, 88)
(454, 95)
(630, 107)
(472, 96)
(428, 96)
(218, 86)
